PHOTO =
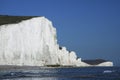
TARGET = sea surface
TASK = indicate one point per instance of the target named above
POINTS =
(63, 73)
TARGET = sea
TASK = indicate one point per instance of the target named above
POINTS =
(60, 73)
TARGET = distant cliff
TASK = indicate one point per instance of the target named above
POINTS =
(98, 62)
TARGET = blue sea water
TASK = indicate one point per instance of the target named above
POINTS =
(77, 73)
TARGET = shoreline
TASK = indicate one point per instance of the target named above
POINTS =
(14, 67)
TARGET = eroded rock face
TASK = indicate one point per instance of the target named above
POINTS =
(33, 42)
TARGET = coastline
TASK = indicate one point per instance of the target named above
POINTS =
(13, 67)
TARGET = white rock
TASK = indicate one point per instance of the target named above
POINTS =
(33, 42)
(106, 64)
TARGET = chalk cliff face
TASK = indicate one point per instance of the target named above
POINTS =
(33, 42)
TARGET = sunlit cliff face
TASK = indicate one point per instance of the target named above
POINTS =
(33, 42)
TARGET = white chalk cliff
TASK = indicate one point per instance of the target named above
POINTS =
(33, 42)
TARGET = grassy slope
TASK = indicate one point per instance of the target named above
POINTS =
(5, 19)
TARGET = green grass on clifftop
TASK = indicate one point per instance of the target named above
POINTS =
(5, 19)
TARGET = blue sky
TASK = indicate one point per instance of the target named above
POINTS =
(91, 28)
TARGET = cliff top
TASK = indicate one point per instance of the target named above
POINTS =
(6, 19)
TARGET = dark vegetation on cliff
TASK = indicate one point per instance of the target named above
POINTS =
(5, 19)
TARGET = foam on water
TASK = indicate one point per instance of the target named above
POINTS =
(84, 73)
